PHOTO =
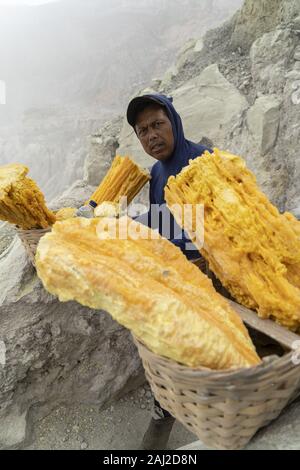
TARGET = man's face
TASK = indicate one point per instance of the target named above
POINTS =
(154, 131)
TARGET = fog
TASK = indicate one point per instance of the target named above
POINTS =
(24, 2)
(70, 65)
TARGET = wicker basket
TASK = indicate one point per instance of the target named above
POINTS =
(224, 409)
(30, 240)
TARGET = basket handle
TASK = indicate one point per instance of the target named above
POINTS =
(268, 327)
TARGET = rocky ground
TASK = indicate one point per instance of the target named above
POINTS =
(118, 427)
(121, 427)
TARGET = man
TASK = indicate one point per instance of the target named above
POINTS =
(159, 129)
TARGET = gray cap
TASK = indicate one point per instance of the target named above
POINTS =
(137, 105)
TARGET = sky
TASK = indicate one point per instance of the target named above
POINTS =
(25, 2)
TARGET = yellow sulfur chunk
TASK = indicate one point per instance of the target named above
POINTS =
(65, 213)
(250, 246)
(124, 178)
(148, 286)
(21, 201)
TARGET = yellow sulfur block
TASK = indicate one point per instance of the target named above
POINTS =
(252, 248)
(21, 201)
(148, 286)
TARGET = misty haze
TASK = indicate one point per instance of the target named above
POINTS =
(71, 65)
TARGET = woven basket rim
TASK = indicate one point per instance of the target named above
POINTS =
(251, 373)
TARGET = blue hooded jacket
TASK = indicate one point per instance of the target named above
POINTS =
(184, 150)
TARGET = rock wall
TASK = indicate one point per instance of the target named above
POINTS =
(254, 19)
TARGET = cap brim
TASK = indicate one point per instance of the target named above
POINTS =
(137, 105)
